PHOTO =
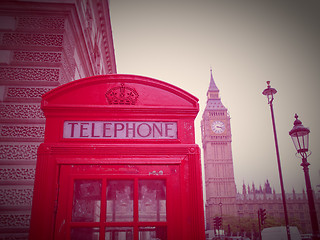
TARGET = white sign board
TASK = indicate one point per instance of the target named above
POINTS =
(119, 130)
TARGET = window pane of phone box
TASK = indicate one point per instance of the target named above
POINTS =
(120, 201)
(152, 201)
(86, 201)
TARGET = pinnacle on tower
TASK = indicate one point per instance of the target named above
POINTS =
(213, 98)
(212, 85)
(244, 191)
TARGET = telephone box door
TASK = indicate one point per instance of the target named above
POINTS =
(118, 202)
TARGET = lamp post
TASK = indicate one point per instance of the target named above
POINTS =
(300, 138)
(269, 92)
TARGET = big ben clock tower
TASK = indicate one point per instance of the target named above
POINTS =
(218, 163)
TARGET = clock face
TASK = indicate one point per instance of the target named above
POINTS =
(218, 127)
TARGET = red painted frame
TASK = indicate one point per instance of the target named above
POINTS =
(85, 100)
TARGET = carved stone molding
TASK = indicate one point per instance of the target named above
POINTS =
(17, 174)
(26, 92)
(64, 78)
(105, 37)
(16, 196)
(29, 74)
(14, 220)
(40, 22)
(20, 111)
(31, 56)
(22, 131)
(32, 39)
(69, 48)
(18, 152)
(68, 64)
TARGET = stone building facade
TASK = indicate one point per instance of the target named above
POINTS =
(251, 199)
(43, 44)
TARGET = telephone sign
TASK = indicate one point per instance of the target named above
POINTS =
(119, 130)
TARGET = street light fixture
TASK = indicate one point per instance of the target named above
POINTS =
(270, 92)
(300, 138)
(220, 205)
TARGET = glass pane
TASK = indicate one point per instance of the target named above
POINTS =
(152, 233)
(152, 200)
(119, 233)
(120, 201)
(86, 201)
(84, 234)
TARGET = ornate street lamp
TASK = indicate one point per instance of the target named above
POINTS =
(270, 92)
(300, 138)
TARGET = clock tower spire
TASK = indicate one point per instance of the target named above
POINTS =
(213, 91)
(213, 96)
(218, 163)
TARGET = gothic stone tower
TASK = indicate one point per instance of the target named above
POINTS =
(218, 163)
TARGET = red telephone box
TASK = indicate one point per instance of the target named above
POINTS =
(119, 161)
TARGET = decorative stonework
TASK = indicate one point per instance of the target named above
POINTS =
(29, 74)
(68, 64)
(22, 131)
(19, 111)
(16, 197)
(29, 56)
(107, 47)
(69, 49)
(37, 23)
(14, 152)
(17, 174)
(122, 95)
(26, 92)
(14, 220)
(15, 236)
(64, 79)
(32, 39)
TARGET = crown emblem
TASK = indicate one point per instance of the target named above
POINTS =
(122, 95)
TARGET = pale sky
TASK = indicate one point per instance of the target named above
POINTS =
(246, 43)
